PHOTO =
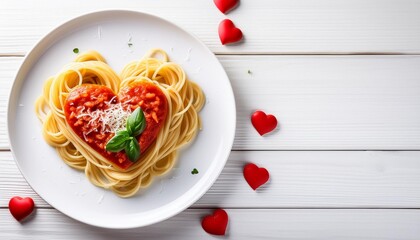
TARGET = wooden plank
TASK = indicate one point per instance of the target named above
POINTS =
(8, 69)
(299, 179)
(243, 224)
(318, 179)
(328, 102)
(321, 102)
(271, 26)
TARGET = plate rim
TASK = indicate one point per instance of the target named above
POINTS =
(25, 63)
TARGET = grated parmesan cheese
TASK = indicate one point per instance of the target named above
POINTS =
(111, 119)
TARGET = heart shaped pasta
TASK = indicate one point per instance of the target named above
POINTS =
(95, 113)
(121, 130)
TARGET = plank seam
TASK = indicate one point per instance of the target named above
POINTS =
(6, 55)
(280, 208)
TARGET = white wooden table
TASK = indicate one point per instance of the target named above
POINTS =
(343, 79)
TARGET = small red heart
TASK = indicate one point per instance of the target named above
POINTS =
(255, 176)
(216, 224)
(263, 123)
(228, 33)
(20, 208)
(225, 5)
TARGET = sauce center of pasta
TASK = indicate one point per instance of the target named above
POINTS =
(95, 114)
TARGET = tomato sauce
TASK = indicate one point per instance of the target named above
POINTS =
(85, 103)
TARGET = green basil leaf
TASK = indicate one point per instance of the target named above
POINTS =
(132, 149)
(136, 122)
(118, 142)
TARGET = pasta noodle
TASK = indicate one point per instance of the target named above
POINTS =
(184, 97)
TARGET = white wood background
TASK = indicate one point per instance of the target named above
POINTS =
(343, 79)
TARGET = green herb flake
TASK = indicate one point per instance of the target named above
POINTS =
(76, 50)
(194, 171)
(249, 72)
(130, 44)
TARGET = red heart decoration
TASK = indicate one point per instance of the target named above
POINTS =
(90, 98)
(225, 5)
(216, 224)
(228, 33)
(263, 123)
(20, 208)
(255, 176)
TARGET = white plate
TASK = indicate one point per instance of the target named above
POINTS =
(109, 32)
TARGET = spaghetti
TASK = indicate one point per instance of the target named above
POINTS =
(184, 100)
